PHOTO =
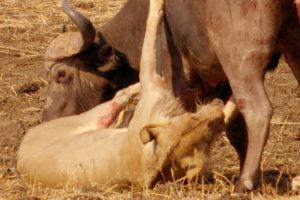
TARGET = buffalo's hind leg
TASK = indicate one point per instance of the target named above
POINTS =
(256, 109)
(290, 45)
(236, 129)
(244, 55)
(237, 134)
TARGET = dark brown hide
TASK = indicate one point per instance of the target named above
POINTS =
(82, 81)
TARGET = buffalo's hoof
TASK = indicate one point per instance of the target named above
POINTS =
(248, 184)
(244, 185)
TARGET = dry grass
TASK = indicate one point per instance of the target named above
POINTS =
(26, 28)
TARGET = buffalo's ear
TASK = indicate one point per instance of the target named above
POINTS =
(106, 52)
(107, 59)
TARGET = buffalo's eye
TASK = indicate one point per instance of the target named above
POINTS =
(61, 76)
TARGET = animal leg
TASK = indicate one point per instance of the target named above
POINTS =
(290, 44)
(236, 132)
(244, 55)
(256, 109)
(152, 85)
(236, 129)
(230, 111)
(151, 52)
(245, 72)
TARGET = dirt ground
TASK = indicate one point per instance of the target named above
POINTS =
(26, 27)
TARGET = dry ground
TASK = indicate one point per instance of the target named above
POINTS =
(27, 26)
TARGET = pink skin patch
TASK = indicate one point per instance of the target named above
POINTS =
(108, 117)
(241, 103)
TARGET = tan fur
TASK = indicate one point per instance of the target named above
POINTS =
(184, 141)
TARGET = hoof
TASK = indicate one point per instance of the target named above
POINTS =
(248, 184)
(244, 185)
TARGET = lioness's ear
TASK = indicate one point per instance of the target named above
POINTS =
(149, 133)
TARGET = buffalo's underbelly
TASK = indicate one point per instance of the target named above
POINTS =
(191, 38)
(209, 71)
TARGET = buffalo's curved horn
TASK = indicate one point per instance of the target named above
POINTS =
(85, 26)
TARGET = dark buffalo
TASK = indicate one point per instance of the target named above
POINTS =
(84, 70)
(222, 48)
